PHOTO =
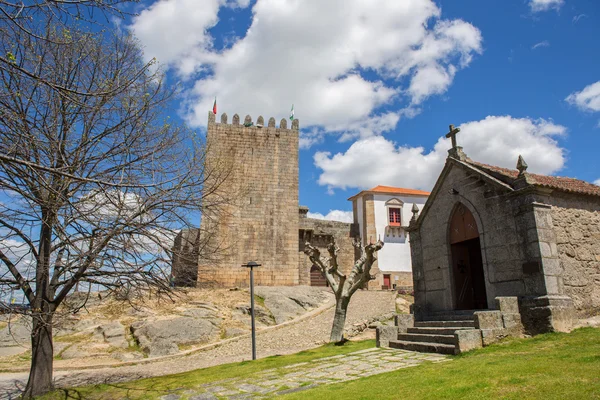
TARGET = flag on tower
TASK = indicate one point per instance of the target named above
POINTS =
(292, 113)
(215, 106)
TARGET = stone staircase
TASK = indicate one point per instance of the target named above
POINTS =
(437, 333)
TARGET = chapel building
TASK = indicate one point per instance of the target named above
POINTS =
(488, 233)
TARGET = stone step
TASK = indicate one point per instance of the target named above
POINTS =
(445, 324)
(454, 312)
(450, 317)
(427, 338)
(423, 347)
(434, 330)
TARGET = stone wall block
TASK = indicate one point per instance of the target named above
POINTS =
(384, 334)
(488, 320)
(512, 321)
(507, 304)
(468, 339)
(404, 321)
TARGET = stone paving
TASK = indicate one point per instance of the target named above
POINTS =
(307, 375)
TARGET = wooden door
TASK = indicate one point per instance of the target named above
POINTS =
(316, 277)
(386, 281)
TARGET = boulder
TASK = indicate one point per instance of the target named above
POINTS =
(262, 315)
(286, 303)
(15, 333)
(162, 337)
(113, 333)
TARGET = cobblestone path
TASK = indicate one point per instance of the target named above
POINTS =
(307, 375)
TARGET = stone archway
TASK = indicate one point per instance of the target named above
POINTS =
(468, 278)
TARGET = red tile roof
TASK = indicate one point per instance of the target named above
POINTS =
(562, 183)
(392, 190)
(397, 190)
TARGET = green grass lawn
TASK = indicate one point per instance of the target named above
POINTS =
(551, 366)
(153, 388)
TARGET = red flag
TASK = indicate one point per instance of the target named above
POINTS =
(215, 107)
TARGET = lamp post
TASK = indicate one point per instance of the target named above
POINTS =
(252, 265)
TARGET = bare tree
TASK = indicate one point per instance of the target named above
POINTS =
(95, 180)
(343, 286)
(31, 18)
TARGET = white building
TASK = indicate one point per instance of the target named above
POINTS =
(384, 212)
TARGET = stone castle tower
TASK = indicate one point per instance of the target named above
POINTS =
(253, 216)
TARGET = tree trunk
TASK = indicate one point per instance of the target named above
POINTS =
(339, 320)
(42, 353)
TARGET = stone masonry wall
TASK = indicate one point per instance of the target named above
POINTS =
(184, 270)
(577, 232)
(319, 233)
(254, 215)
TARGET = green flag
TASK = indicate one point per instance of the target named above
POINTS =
(292, 113)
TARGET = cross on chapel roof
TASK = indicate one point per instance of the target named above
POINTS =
(456, 151)
(452, 135)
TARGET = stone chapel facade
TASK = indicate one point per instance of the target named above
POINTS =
(487, 233)
(254, 215)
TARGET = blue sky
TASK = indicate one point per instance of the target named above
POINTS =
(376, 84)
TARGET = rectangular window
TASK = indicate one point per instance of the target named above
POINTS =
(394, 216)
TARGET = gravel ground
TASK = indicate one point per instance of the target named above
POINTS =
(306, 334)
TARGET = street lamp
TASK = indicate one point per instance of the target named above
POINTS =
(252, 265)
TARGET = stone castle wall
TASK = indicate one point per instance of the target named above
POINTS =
(319, 233)
(184, 270)
(576, 222)
(254, 214)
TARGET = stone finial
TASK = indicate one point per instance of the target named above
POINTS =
(211, 117)
(271, 122)
(224, 118)
(247, 120)
(283, 123)
(260, 121)
(521, 165)
(296, 124)
(415, 212)
(236, 119)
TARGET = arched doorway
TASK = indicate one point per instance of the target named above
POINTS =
(316, 278)
(467, 265)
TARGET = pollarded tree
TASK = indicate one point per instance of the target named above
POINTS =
(95, 180)
(343, 286)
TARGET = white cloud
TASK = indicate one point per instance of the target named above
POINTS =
(544, 43)
(578, 17)
(545, 5)
(588, 99)
(333, 215)
(597, 182)
(175, 32)
(496, 140)
(314, 54)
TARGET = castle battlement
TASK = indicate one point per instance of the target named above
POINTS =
(248, 123)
